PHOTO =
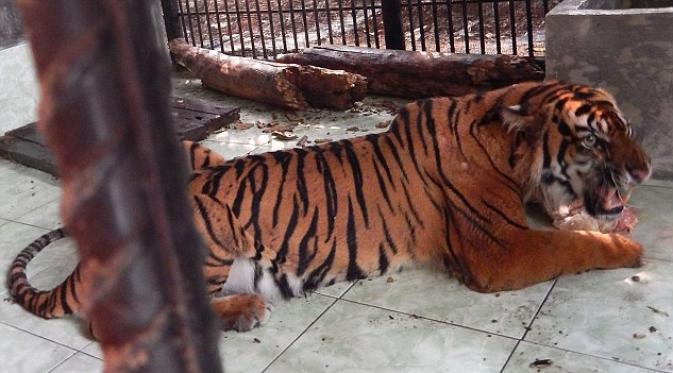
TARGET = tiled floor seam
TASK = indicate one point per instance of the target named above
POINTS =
(300, 334)
(597, 357)
(415, 316)
(529, 326)
(62, 362)
(40, 336)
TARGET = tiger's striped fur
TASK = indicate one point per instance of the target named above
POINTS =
(444, 188)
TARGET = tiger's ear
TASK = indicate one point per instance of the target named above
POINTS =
(515, 118)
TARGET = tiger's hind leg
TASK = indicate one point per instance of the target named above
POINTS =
(229, 269)
(242, 311)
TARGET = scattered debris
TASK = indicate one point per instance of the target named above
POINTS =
(241, 126)
(638, 336)
(541, 363)
(9, 300)
(635, 278)
(284, 135)
(414, 316)
(383, 124)
(353, 129)
(390, 279)
(391, 317)
(256, 340)
(302, 141)
(293, 117)
(278, 127)
(494, 321)
(652, 329)
(656, 310)
(322, 140)
(497, 295)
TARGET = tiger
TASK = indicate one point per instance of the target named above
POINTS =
(444, 188)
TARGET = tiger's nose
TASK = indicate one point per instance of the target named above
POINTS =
(640, 175)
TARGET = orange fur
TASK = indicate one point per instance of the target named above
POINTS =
(445, 188)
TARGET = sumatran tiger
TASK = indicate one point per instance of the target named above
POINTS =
(443, 188)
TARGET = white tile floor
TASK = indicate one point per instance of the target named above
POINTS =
(601, 321)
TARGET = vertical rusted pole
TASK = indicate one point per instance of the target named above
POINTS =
(172, 20)
(104, 79)
(392, 24)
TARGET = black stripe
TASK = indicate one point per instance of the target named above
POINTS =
(396, 155)
(301, 179)
(503, 215)
(316, 277)
(383, 260)
(419, 122)
(357, 180)
(206, 220)
(291, 226)
(354, 271)
(373, 140)
(331, 198)
(382, 185)
(386, 233)
(410, 145)
(304, 257)
(283, 158)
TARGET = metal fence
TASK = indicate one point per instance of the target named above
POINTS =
(264, 28)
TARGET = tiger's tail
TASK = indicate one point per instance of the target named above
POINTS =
(57, 302)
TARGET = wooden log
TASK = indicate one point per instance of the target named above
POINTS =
(286, 85)
(421, 74)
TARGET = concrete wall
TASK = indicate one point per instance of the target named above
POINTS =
(630, 53)
(18, 88)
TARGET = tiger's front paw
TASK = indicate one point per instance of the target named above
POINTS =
(623, 252)
(241, 312)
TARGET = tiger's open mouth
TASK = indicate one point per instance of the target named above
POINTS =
(605, 202)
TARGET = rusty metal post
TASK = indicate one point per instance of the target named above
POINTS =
(104, 79)
(172, 19)
(392, 24)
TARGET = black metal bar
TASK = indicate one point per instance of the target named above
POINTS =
(545, 6)
(105, 82)
(341, 19)
(303, 17)
(449, 8)
(282, 25)
(252, 36)
(465, 28)
(355, 24)
(421, 26)
(273, 34)
(316, 16)
(529, 24)
(329, 22)
(229, 29)
(172, 19)
(189, 21)
(482, 41)
(376, 25)
(261, 28)
(364, 9)
(512, 25)
(182, 21)
(496, 16)
(210, 32)
(435, 24)
(294, 25)
(240, 27)
(198, 21)
(392, 24)
(219, 26)
(410, 12)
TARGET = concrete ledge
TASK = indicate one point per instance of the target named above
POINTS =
(627, 50)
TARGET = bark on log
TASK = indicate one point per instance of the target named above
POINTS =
(286, 85)
(421, 74)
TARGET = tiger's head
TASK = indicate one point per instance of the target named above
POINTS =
(587, 151)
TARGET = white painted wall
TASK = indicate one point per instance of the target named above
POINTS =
(18, 88)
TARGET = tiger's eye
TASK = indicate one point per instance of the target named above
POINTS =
(589, 141)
